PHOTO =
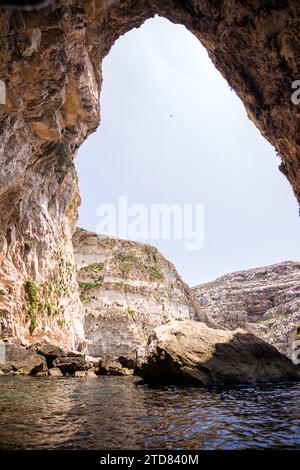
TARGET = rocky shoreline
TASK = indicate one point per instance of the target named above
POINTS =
(186, 351)
(46, 359)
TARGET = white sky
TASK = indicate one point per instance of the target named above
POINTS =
(208, 152)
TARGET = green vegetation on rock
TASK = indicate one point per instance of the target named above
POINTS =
(87, 285)
(32, 297)
(155, 273)
(95, 267)
(131, 312)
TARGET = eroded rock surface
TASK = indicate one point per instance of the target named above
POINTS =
(18, 360)
(264, 301)
(51, 67)
(191, 352)
(127, 288)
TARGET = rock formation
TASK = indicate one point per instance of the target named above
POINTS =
(264, 301)
(50, 68)
(191, 352)
(127, 289)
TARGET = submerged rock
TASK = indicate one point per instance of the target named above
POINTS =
(191, 352)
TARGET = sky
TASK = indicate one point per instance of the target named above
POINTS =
(173, 132)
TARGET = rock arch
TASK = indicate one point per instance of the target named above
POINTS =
(51, 66)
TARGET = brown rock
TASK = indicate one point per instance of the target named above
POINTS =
(80, 374)
(50, 351)
(191, 352)
(20, 360)
(70, 365)
(55, 372)
(110, 366)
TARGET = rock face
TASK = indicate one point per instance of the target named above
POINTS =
(264, 301)
(127, 288)
(50, 71)
(191, 352)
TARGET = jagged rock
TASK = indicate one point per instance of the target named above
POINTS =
(55, 372)
(191, 352)
(127, 289)
(110, 366)
(80, 374)
(50, 351)
(70, 365)
(51, 67)
(19, 360)
(264, 301)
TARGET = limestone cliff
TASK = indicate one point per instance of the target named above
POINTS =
(50, 66)
(127, 289)
(264, 301)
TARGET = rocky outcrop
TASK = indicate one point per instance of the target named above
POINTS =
(47, 359)
(191, 352)
(19, 360)
(51, 69)
(264, 301)
(127, 289)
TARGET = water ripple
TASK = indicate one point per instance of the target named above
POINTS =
(120, 413)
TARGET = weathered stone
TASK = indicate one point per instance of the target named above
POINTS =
(20, 360)
(80, 374)
(91, 373)
(51, 66)
(50, 351)
(55, 372)
(127, 289)
(110, 366)
(191, 352)
(264, 301)
(70, 365)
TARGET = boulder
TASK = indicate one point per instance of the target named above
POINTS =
(48, 350)
(91, 373)
(110, 366)
(71, 364)
(19, 359)
(80, 374)
(55, 372)
(191, 352)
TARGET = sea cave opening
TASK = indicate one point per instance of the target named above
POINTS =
(173, 132)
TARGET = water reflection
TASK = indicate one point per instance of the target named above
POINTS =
(116, 413)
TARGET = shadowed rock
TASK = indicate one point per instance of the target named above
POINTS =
(20, 360)
(191, 352)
